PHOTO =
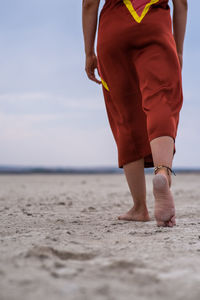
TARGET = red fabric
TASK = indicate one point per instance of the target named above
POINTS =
(139, 63)
(139, 5)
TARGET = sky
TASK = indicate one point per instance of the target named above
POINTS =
(50, 113)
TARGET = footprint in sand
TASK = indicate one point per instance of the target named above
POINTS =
(123, 264)
(43, 252)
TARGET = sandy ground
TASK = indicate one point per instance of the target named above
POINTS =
(60, 239)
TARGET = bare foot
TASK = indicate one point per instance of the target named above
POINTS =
(164, 209)
(135, 215)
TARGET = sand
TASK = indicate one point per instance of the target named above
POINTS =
(60, 239)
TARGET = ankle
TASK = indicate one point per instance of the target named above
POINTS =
(141, 207)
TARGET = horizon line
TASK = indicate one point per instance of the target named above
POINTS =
(40, 169)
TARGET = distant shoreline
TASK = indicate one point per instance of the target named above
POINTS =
(79, 170)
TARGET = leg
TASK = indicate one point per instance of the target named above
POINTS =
(162, 152)
(160, 84)
(134, 173)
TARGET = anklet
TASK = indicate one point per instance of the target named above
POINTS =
(161, 166)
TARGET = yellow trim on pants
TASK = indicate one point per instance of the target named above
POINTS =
(104, 84)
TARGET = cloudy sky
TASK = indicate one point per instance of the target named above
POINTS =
(50, 114)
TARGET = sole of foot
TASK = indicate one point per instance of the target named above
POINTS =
(164, 209)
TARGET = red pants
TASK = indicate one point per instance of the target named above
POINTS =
(141, 77)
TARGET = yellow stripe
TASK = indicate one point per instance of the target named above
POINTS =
(134, 13)
(105, 84)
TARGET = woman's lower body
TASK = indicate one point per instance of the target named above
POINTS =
(141, 79)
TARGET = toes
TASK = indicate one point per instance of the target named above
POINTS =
(123, 217)
(161, 224)
(136, 217)
(173, 220)
(126, 218)
(169, 223)
(164, 224)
